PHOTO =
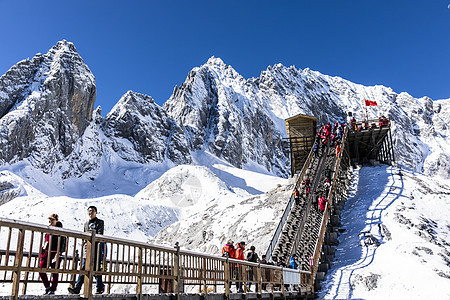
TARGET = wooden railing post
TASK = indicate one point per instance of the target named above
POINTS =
(214, 277)
(177, 274)
(89, 265)
(139, 277)
(30, 252)
(17, 265)
(226, 270)
(259, 278)
(205, 287)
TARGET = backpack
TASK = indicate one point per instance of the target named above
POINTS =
(253, 257)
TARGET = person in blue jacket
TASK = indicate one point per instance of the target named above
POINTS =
(293, 262)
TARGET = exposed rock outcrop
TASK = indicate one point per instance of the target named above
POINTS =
(46, 117)
(153, 135)
(46, 104)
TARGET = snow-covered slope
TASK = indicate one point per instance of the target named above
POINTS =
(179, 195)
(212, 211)
(124, 216)
(408, 216)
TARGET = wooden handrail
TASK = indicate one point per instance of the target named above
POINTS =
(288, 208)
(121, 261)
(324, 222)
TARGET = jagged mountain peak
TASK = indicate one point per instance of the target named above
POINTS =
(46, 104)
(152, 135)
(279, 67)
(216, 61)
(64, 46)
(133, 102)
(217, 68)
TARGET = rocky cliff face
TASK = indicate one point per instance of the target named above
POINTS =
(46, 117)
(222, 112)
(46, 104)
(152, 135)
(136, 130)
(242, 120)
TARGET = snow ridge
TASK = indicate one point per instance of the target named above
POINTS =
(217, 110)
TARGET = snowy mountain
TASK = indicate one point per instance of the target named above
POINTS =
(221, 112)
(150, 135)
(48, 123)
(242, 120)
(209, 166)
(46, 104)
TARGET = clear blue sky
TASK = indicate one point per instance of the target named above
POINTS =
(150, 46)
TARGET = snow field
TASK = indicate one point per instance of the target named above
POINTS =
(409, 263)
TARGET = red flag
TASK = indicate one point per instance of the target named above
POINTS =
(370, 103)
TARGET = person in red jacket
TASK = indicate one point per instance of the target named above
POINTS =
(52, 251)
(306, 184)
(228, 250)
(322, 203)
(240, 254)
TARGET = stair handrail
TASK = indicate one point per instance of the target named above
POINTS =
(324, 222)
(288, 208)
(299, 232)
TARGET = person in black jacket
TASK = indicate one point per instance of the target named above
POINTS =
(253, 257)
(98, 226)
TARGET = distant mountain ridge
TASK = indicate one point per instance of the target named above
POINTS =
(47, 118)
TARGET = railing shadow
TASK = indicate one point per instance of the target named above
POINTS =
(360, 202)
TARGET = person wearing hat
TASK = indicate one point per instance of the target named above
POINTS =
(252, 256)
(50, 248)
(228, 250)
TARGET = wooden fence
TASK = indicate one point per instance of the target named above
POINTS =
(126, 262)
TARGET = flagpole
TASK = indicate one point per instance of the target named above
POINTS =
(379, 109)
(367, 114)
